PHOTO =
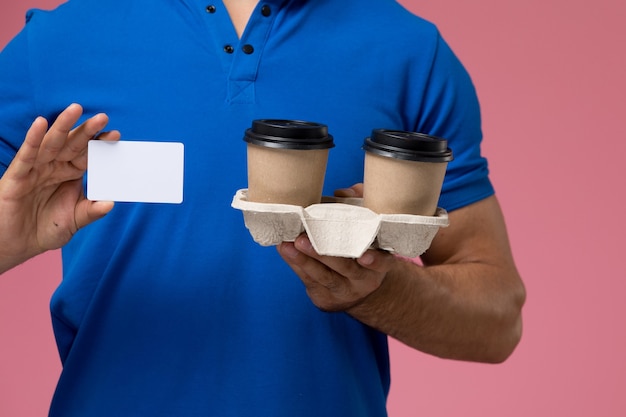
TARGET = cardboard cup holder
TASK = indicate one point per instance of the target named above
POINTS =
(339, 226)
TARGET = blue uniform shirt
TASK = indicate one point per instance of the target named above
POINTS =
(173, 310)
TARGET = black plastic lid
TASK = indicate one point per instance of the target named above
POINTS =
(289, 134)
(410, 146)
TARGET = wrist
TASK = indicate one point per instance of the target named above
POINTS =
(378, 308)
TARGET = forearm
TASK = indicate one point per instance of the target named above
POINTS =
(13, 252)
(8, 262)
(14, 248)
(464, 304)
(468, 311)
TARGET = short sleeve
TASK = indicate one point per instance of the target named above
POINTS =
(451, 110)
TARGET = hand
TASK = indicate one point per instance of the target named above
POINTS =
(355, 191)
(333, 283)
(41, 197)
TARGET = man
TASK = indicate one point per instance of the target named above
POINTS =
(172, 309)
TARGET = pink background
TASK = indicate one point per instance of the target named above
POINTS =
(550, 76)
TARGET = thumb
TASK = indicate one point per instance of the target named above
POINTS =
(88, 211)
(355, 190)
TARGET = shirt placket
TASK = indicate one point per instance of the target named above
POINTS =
(240, 57)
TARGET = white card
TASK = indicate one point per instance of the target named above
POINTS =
(132, 171)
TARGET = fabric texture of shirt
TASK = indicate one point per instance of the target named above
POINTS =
(173, 310)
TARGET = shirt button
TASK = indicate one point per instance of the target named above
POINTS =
(266, 10)
(247, 49)
(229, 49)
(210, 9)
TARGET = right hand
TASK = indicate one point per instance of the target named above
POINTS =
(42, 204)
(354, 191)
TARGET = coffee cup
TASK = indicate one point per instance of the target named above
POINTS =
(404, 172)
(287, 161)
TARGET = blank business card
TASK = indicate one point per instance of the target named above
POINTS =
(133, 171)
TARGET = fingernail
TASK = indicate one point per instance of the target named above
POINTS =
(304, 244)
(366, 259)
(289, 250)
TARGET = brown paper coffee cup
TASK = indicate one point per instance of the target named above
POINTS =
(287, 161)
(404, 172)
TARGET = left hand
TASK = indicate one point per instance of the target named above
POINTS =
(333, 283)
